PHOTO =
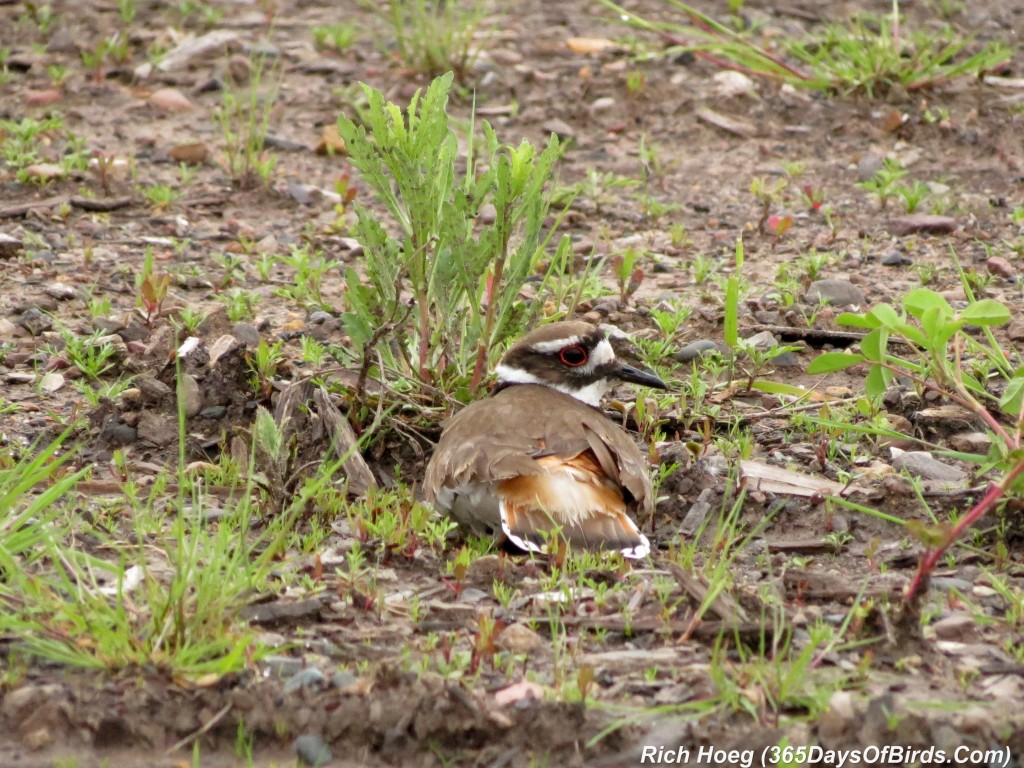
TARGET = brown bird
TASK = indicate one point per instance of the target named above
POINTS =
(538, 458)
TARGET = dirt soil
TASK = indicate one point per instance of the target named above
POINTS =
(958, 683)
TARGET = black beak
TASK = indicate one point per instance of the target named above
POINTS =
(637, 376)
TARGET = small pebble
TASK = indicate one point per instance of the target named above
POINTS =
(1000, 267)
(695, 349)
(840, 293)
(923, 465)
(896, 259)
(342, 679)
(518, 638)
(35, 321)
(213, 413)
(313, 750)
(310, 677)
(247, 334)
(9, 246)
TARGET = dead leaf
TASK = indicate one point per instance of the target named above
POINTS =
(331, 142)
(170, 100)
(131, 579)
(52, 382)
(524, 689)
(892, 119)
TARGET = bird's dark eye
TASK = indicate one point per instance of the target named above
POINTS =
(573, 356)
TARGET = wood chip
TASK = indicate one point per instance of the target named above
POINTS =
(772, 479)
(282, 611)
(332, 425)
(20, 209)
(196, 47)
(582, 46)
(722, 605)
(808, 547)
(100, 205)
(727, 124)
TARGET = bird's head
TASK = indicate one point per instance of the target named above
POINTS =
(574, 357)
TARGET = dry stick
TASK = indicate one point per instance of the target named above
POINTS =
(203, 729)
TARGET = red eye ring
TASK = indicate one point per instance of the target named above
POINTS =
(574, 356)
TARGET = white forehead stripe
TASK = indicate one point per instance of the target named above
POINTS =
(614, 331)
(544, 347)
(602, 354)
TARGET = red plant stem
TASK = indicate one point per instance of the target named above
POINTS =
(484, 344)
(676, 40)
(424, 345)
(979, 510)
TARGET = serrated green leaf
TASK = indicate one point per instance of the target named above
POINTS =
(833, 361)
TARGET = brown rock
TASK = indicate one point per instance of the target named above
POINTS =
(44, 171)
(43, 98)
(192, 395)
(9, 246)
(957, 626)
(170, 100)
(484, 569)
(194, 152)
(1000, 267)
(518, 638)
(971, 442)
(157, 430)
(922, 223)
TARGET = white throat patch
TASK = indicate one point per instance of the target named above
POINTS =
(590, 394)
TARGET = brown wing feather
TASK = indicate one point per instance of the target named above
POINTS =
(574, 498)
(503, 437)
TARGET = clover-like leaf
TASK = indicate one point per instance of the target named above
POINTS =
(917, 301)
(986, 312)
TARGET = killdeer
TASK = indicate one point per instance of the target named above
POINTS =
(537, 457)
